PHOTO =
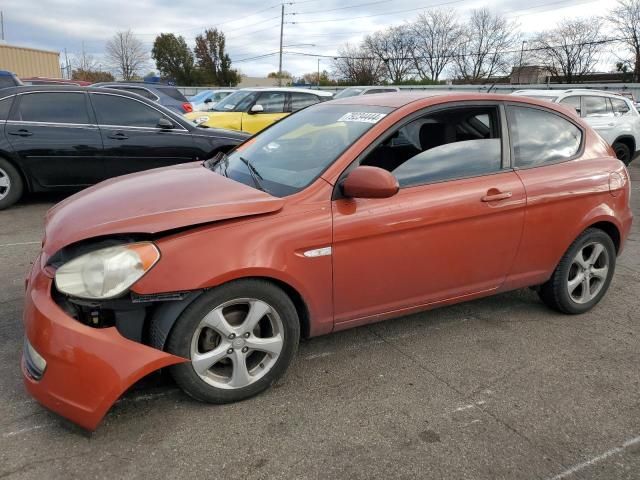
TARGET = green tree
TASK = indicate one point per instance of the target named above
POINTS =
(174, 59)
(212, 60)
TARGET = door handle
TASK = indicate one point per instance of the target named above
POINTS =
(118, 136)
(21, 133)
(497, 196)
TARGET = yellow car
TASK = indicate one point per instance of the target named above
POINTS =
(253, 109)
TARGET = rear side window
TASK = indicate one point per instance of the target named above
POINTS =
(597, 106)
(121, 111)
(5, 107)
(573, 102)
(62, 107)
(539, 137)
(174, 93)
(620, 107)
(302, 100)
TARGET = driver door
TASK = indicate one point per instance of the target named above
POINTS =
(274, 107)
(132, 139)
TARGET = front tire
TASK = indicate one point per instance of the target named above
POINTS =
(240, 338)
(583, 275)
(623, 152)
(11, 185)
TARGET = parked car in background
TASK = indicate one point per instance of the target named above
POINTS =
(355, 91)
(254, 109)
(54, 81)
(206, 99)
(8, 79)
(613, 116)
(166, 95)
(343, 214)
(64, 137)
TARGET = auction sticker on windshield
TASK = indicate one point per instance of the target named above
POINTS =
(363, 117)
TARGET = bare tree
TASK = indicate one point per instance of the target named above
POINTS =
(436, 38)
(572, 48)
(485, 42)
(358, 66)
(126, 54)
(394, 47)
(625, 21)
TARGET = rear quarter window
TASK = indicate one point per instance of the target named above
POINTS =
(5, 107)
(540, 137)
(173, 93)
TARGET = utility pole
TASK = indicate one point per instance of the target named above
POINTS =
(2, 25)
(66, 61)
(520, 66)
(281, 35)
(318, 71)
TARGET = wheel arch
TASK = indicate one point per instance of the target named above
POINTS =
(610, 229)
(166, 314)
(628, 140)
(25, 179)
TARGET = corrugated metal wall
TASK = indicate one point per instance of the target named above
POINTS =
(29, 62)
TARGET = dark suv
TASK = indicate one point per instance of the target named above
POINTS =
(165, 95)
(66, 137)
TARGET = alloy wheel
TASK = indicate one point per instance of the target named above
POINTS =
(5, 184)
(588, 272)
(237, 343)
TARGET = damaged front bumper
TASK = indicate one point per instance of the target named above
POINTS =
(82, 370)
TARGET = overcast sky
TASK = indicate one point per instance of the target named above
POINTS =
(253, 26)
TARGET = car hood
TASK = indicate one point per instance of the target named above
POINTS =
(151, 202)
(221, 133)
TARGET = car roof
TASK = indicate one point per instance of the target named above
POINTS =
(555, 93)
(321, 93)
(65, 88)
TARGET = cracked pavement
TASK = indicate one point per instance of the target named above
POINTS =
(499, 388)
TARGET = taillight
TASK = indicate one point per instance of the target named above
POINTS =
(187, 107)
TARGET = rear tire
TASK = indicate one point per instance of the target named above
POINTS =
(240, 338)
(11, 184)
(623, 152)
(583, 275)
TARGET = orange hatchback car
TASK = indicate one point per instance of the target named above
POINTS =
(345, 213)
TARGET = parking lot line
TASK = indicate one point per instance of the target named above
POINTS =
(597, 459)
(18, 244)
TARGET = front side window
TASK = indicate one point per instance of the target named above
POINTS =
(291, 154)
(620, 107)
(236, 102)
(445, 145)
(302, 100)
(49, 107)
(573, 102)
(122, 111)
(5, 107)
(539, 137)
(272, 102)
(597, 106)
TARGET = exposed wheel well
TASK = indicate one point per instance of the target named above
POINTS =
(298, 302)
(611, 230)
(628, 141)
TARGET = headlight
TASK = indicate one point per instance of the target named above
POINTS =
(200, 120)
(108, 272)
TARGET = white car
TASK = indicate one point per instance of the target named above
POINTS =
(203, 101)
(613, 116)
(356, 91)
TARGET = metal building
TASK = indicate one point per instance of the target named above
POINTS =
(29, 62)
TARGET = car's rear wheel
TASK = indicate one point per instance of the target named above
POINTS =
(11, 185)
(583, 275)
(623, 152)
(240, 338)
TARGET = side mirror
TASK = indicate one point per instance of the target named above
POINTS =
(165, 124)
(257, 109)
(208, 100)
(370, 182)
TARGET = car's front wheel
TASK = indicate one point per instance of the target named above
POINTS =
(623, 152)
(583, 275)
(240, 338)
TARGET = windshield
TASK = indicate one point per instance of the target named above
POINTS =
(236, 102)
(201, 96)
(349, 92)
(291, 154)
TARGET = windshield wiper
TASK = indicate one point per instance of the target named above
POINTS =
(255, 176)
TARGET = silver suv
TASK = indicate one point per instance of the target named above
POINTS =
(613, 116)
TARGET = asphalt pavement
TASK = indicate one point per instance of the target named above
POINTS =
(500, 388)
